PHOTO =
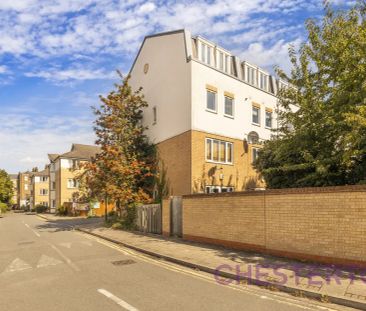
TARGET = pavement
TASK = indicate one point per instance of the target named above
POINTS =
(328, 283)
(46, 265)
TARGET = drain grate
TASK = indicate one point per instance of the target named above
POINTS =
(25, 242)
(123, 262)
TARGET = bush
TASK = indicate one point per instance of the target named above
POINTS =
(40, 208)
(129, 217)
(3, 208)
(61, 211)
(117, 226)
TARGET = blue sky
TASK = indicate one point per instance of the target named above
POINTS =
(57, 56)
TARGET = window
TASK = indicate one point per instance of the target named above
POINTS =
(221, 61)
(256, 115)
(72, 183)
(227, 64)
(254, 154)
(53, 185)
(208, 59)
(219, 151)
(43, 191)
(53, 203)
(263, 81)
(44, 178)
(26, 187)
(218, 189)
(211, 101)
(75, 164)
(229, 106)
(155, 116)
(25, 178)
(268, 118)
(203, 52)
(251, 76)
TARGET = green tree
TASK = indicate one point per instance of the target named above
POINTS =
(6, 187)
(321, 139)
(124, 170)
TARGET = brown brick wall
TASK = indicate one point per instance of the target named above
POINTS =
(323, 224)
(176, 155)
(166, 217)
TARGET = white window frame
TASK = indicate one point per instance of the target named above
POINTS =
(254, 157)
(215, 93)
(43, 192)
(232, 107)
(227, 143)
(211, 189)
(259, 115)
(265, 121)
(74, 183)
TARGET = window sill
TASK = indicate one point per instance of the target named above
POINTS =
(256, 124)
(269, 128)
(221, 163)
(212, 111)
(228, 116)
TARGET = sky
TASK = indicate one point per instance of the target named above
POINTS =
(58, 56)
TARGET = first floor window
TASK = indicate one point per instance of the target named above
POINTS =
(219, 151)
(43, 191)
(269, 119)
(72, 183)
(211, 100)
(255, 114)
(229, 106)
(254, 154)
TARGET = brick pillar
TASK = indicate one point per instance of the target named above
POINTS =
(166, 217)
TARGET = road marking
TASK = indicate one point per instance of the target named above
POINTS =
(34, 231)
(280, 297)
(117, 300)
(67, 260)
(46, 261)
(67, 245)
(17, 265)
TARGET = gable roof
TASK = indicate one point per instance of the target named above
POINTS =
(79, 151)
(52, 156)
(45, 172)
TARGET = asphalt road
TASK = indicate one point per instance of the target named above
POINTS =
(47, 267)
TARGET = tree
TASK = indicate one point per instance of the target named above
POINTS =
(321, 139)
(124, 170)
(6, 187)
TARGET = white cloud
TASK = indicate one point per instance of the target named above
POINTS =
(25, 140)
(3, 69)
(62, 75)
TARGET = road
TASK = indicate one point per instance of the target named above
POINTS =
(48, 267)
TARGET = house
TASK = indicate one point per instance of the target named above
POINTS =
(208, 111)
(24, 189)
(39, 188)
(14, 180)
(64, 170)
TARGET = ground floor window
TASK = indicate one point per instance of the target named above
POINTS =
(219, 151)
(218, 189)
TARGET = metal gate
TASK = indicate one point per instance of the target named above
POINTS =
(176, 216)
(148, 218)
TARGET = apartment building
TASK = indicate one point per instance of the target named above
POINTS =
(14, 180)
(208, 111)
(39, 188)
(64, 169)
(24, 189)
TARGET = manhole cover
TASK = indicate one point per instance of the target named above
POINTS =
(123, 262)
(25, 242)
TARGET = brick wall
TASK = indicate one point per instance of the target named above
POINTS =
(166, 217)
(323, 224)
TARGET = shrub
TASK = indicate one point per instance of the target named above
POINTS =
(41, 208)
(61, 211)
(3, 208)
(117, 226)
(129, 217)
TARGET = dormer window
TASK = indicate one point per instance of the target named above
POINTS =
(263, 81)
(206, 53)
